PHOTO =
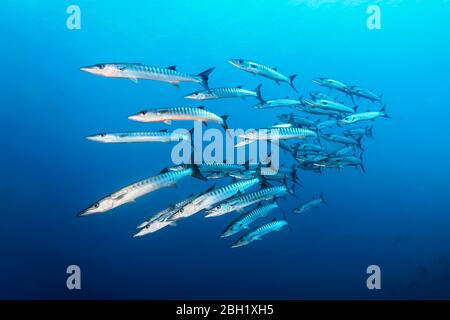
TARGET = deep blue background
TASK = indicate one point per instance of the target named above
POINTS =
(396, 215)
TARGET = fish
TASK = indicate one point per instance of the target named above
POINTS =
(264, 71)
(307, 147)
(135, 71)
(344, 161)
(275, 225)
(320, 95)
(359, 132)
(226, 92)
(363, 116)
(275, 134)
(278, 103)
(209, 199)
(363, 93)
(326, 124)
(160, 219)
(131, 192)
(314, 203)
(296, 120)
(343, 139)
(332, 84)
(342, 151)
(167, 115)
(319, 111)
(242, 222)
(330, 105)
(245, 200)
(132, 137)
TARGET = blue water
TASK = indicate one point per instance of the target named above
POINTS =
(396, 215)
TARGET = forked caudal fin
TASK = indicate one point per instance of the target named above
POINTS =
(205, 77)
(258, 93)
(291, 82)
(323, 199)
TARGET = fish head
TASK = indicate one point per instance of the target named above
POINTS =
(98, 207)
(103, 69)
(240, 242)
(229, 231)
(321, 81)
(198, 95)
(240, 63)
(218, 210)
(102, 137)
(152, 115)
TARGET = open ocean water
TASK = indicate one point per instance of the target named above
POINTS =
(395, 216)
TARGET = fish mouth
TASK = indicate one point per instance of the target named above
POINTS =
(93, 138)
(83, 213)
(190, 96)
(87, 69)
(234, 62)
(317, 81)
(135, 117)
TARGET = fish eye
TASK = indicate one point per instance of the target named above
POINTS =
(101, 66)
(95, 205)
(181, 209)
(143, 113)
(102, 134)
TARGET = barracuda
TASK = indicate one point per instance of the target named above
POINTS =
(264, 71)
(135, 71)
(342, 151)
(139, 189)
(364, 116)
(132, 137)
(296, 121)
(259, 232)
(347, 161)
(332, 84)
(239, 203)
(326, 124)
(242, 222)
(363, 93)
(167, 115)
(330, 105)
(343, 139)
(209, 199)
(314, 203)
(278, 103)
(319, 111)
(223, 93)
(276, 134)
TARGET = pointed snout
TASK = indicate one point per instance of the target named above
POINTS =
(87, 69)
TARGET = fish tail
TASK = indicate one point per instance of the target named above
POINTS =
(291, 81)
(196, 172)
(258, 93)
(383, 111)
(323, 199)
(205, 77)
(362, 163)
(369, 132)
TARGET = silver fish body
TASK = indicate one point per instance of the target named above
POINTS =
(259, 232)
(226, 92)
(133, 137)
(242, 222)
(314, 203)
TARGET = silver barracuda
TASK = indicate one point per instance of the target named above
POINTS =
(296, 120)
(259, 232)
(320, 95)
(347, 161)
(307, 147)
(326, 124)
(343, 139)
(209, 199)
(314, 203)
(359, 132)
(133, 137)
(275, 134)
(264, 71)
(364, 93)
(139, 189)
(318, 111)
(136, 71)
(342, 151)
(363, 116)
(223, 93)
(329, 105)
(278, 103)
(245, 200)
(167, 115)
(332, 84)
(242, 222)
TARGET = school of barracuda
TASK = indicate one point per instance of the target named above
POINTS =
(314, 144)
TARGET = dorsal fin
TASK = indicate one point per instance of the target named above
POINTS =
(275, 68)
(172, 67)
(163, 130)
(164, 170)
(201, 107)
(239, 87)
